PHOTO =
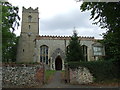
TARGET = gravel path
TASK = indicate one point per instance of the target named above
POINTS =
(55, 82)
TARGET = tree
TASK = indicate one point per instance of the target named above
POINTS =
(74, 51)
(10, 19)
(107, 15)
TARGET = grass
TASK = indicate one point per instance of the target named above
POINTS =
(48, 75)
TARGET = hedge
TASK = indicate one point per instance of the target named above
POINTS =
(101, 70)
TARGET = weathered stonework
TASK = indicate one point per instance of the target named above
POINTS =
(22, 76)
(80, 75)
(29, 31)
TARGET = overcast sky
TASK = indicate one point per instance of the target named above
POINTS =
(59, 17)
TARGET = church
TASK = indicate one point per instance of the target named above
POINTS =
(50, 50)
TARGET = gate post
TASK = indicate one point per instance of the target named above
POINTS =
(67, 74)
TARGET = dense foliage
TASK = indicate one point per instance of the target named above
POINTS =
(101, 70)
(10, 20)
(107, 15)
(74, 51)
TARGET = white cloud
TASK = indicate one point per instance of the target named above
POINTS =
(58, 17)
(50, 8)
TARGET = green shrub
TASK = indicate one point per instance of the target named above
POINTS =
(101, 70)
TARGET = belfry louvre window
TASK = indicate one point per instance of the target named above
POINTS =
(44, 54)
(29, 18)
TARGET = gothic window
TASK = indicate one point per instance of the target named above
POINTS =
(97, 50)
(84, 50)
(29, 18)
(44, 54)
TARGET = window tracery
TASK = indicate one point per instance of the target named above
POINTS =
(44, 54)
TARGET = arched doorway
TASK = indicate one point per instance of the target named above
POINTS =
(58, 63)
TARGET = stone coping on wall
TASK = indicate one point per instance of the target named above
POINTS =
(20, 64)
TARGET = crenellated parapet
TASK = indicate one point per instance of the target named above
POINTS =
(30, 9)
(62, 38)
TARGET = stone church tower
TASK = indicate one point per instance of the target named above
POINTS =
(29, 31)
